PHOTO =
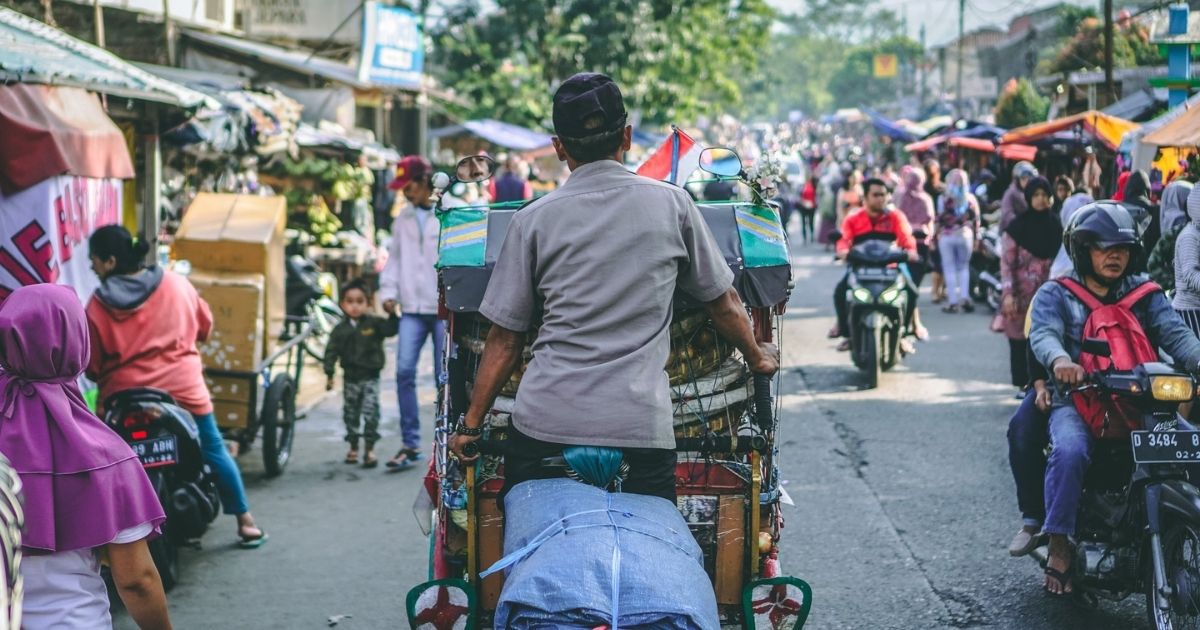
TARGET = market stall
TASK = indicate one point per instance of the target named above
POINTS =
(1146, 155)
(1061, 144)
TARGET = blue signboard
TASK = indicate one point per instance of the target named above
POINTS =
(393, 49)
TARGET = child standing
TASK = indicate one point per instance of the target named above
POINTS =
(357, 341)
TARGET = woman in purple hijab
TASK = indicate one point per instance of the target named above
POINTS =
(85, 491)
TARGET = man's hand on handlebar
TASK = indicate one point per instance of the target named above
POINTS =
(1069, 373)
(457, 442)
(766, 361)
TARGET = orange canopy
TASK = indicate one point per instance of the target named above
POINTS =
(975, 144)
(1017, 152)
(1184, 131)
(924, 145)
(1107, 129)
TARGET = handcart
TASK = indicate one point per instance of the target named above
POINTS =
(271, 397)
(726, 423)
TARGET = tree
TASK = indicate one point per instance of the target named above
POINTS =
(1020, 105)
(797, 69)
(855, 83)
(673, 60)
(1131, 47)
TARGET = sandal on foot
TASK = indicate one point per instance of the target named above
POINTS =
(351, 457)
(844, 346)
(950, 308)
(405, 458)
(252, 542)
(370, 461)
(1064, 580)
(921, 333)
(968, 307)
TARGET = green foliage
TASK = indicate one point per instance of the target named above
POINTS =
(799, 69)
(854, 82)
(1021, 105)
(1070, 17)
(673, 60)
(1085, 49)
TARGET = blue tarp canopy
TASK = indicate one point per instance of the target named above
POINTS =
(888, 127)
(501, 134)
(33, 52)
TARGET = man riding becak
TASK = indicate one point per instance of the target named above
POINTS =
(598, 262)
(1101, 297)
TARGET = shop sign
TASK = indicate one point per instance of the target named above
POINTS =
(393, 49)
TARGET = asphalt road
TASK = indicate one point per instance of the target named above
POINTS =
(904, 501)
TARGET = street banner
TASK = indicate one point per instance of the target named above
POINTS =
(44, 232)
(674, 161)
(886, 66)
(393, 49)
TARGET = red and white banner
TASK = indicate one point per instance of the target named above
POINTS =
(674, 161)
(44, 232)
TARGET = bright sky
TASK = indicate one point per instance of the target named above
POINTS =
(941, 16)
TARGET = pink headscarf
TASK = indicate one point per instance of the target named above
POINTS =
(913, 201)
(83, 484)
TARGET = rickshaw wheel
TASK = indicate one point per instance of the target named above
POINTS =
(278, 424)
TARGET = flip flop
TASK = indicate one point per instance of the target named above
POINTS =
(253, 542)
(370, 461)
(404, 459)
(1064, 580)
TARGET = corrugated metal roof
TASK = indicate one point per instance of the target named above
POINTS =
(33, 52)
(296, 60)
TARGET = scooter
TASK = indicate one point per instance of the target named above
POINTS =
(877, 299)
(985, 269)
(166, 440)
(311, 297)
(1138, 529)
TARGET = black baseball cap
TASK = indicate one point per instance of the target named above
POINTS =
(583, 97)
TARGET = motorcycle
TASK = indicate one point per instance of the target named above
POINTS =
(877, 299)
(985, 269)
(166, 440)
(1138, 528)
(310, 297)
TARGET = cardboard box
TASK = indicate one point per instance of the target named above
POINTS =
(236, 342)
(231, 415)
(231, 389)
(239, 234)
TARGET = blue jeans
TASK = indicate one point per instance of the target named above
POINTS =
(413, 331)
(1065, 468)
(229, 478)
(1027, 439)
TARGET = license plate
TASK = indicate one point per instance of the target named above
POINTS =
(1165, 447)
(159, 451)
(874, 272)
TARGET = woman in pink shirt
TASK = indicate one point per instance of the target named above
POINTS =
(144, 324)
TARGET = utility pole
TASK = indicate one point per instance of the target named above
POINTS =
(924, 71)
(958, 108)
(1108, 52)
(167, 34)
(98, 18)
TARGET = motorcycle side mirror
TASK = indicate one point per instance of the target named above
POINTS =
(475, 168)
(721, 162)
(1098, 347)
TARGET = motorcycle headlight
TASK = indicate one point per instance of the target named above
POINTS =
(862, 295)
(891, 296)
(1171, 388)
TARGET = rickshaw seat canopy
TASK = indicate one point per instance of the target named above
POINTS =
(50, 131)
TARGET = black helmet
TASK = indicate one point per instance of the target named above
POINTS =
(1101, 224)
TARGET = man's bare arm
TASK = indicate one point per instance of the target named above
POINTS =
(733, 323)
(501, 356)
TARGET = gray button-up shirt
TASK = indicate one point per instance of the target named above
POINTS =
(600, 259)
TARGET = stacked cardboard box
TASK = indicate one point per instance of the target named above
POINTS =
(235, 246)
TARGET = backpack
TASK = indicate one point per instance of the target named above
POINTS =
(1161, 263)
(1108, 416)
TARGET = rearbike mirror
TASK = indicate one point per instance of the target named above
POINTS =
(721, 162)
(475, 168)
